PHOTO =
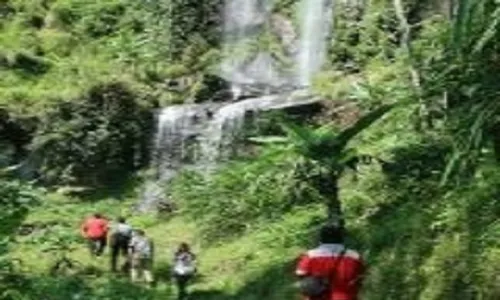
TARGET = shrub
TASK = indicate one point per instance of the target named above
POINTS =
(15, 132)
(30, 64)
(6, 9)
(4, 60)
(62, 16)
(242, 195)
(15, 200)
(105, 21)
(35, 20)
(94, 140)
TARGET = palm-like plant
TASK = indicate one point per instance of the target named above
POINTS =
(323, 155)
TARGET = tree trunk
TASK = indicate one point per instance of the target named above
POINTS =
(329, 189)
(495, 136)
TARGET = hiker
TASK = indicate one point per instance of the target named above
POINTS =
(184, 269)
(331, 271)
(95, 230)
(141, 250)
(120, 239)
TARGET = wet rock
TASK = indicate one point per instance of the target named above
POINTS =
(283, 28)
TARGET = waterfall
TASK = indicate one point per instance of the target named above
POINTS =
(315, 19)
(222, 133)
(200, 136)
(243, 63)
(244, 20)
(175, 134)
(175, 147)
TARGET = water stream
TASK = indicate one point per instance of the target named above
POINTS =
(175, 147)
(315, 19)
(244, 22)
(221, 134)
(200, 136)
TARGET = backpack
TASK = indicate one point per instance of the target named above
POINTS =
(123, 230)
(121, 234)
(315, 286)
(143, 247)
(184, 264)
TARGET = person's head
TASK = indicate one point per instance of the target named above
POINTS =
(97, 216)
(184, 247)
(122, 220)
(331, 234)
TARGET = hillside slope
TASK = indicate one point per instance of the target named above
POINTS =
(78, 82)
(56, 50)
(418, 240)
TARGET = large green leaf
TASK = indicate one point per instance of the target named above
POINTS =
(323, 144)
(301, 137)
(460, 23)
(490, 31)
(366, 121)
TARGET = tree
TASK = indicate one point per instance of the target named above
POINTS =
(94, 140)
(323, 154)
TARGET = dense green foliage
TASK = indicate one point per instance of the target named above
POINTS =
(16, 199)
(90, 141)
(248, 195)
(79, 80)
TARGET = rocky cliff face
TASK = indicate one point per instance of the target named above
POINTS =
(283, 28)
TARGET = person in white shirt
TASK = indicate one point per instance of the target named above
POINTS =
(184, 269)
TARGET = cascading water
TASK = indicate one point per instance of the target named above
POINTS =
(316, 17)
(198, 136)
(244, 21)
(222, 133)
(175, 136)
(175, 146)
(241, 16)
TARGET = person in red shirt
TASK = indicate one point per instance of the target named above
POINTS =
(95, 230)
(342, 267)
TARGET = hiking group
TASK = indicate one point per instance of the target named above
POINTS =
(329, 272)
(137, 249)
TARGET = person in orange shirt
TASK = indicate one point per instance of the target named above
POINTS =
(95, 231)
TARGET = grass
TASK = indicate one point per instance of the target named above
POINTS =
(225, 268)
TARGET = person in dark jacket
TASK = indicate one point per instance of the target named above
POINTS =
(121, 233)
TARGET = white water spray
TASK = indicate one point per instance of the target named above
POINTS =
(175, 147)
(316, 17)
(244, 22)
